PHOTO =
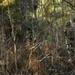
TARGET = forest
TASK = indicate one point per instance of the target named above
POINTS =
(37, 37)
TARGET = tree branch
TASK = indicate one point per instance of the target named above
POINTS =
(70, 4)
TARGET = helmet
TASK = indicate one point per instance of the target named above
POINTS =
(68, 24)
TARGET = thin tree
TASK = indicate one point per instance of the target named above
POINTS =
(13, 36)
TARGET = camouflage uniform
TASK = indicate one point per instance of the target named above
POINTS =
(69, 37)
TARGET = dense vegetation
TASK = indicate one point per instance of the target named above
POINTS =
(32, 38)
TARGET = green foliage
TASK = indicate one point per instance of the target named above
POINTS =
(1, 1)
(47, 10)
